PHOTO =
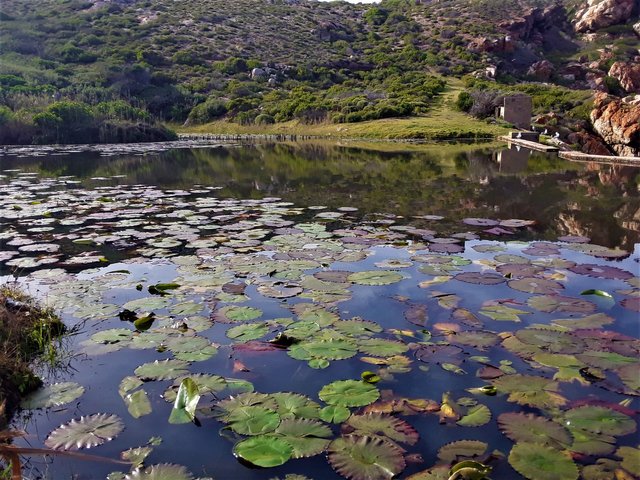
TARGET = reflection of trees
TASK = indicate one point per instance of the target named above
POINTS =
(599, 202)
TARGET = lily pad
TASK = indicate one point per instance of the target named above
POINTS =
(375, 277)
(479, 278)
(522, 427)
(539, 462)
(162, 370)
(247, 331)
(476, 416)
(349, 393)
(462, 450)
(536, 285)
(86, 432)
(264, 451)
(184, 408)
(307, 437)
(530, 390)
(296, 405)
(253, 420)
(365, 458)
(163, 471)
(600, 420)
(381, 425)
(560, 304)
(382, 348)
(53, 395)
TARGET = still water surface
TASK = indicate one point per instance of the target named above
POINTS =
(253, 215)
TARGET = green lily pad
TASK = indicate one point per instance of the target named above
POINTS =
(630, 376)
(530, 390)
(264, 451)
(162, 370)
(379, 347)
(253, 420)
(552, 340)
(184, 407)
(334, 414)
(461, 450)
(86, 432)
(597, 320)
(365, 458)
(357, 327)
(248, 331)
(476, 416)
(375, 277)
(147, 304)
(521, 427)
(630, 458)
(307, 437)
(53, 395)
(327, 350)
(186, 308)
(137, 403)
(113, 336)
(502, 313)
(349, 393)
(237, 314)
(224, 408)
(296, 405)
(163, 471)
(136, 456)
(600, 420)
(539, 462)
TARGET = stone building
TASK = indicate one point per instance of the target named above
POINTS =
(516, 110)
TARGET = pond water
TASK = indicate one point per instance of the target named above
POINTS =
(351, 310)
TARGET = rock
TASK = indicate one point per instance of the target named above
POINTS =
(628, 74)
(618, 124)
(550, 118)
(595, 81)
(575, 69)
(258, 73)
(636, 28)
(602, 13)
(541, 70)
(588, 143)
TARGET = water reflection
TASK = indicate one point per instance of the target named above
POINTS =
(455, 181)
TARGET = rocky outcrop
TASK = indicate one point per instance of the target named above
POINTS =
(534, 21)
(628, 74)
(618, 123)
(588, 143)
(602, 13)
(541, 70)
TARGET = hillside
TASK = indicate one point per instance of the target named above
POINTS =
(274, 61)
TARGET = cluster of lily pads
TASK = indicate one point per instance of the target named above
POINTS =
(188, 275)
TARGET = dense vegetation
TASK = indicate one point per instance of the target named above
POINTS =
(110, 70)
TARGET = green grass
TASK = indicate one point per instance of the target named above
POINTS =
(441, 123)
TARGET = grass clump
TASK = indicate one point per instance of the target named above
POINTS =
(27, 331)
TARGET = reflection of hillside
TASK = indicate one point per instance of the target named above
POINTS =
(564, 197)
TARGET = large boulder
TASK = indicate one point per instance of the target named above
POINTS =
(541, 70)
(618, 123)
(588, 143)
(628, 74)
(599, 14)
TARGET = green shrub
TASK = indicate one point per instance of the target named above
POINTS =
(207, 111)
(264, 119)
(464, 102)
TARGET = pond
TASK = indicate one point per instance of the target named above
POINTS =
(320, 310)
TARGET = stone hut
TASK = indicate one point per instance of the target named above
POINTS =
(517, 110)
